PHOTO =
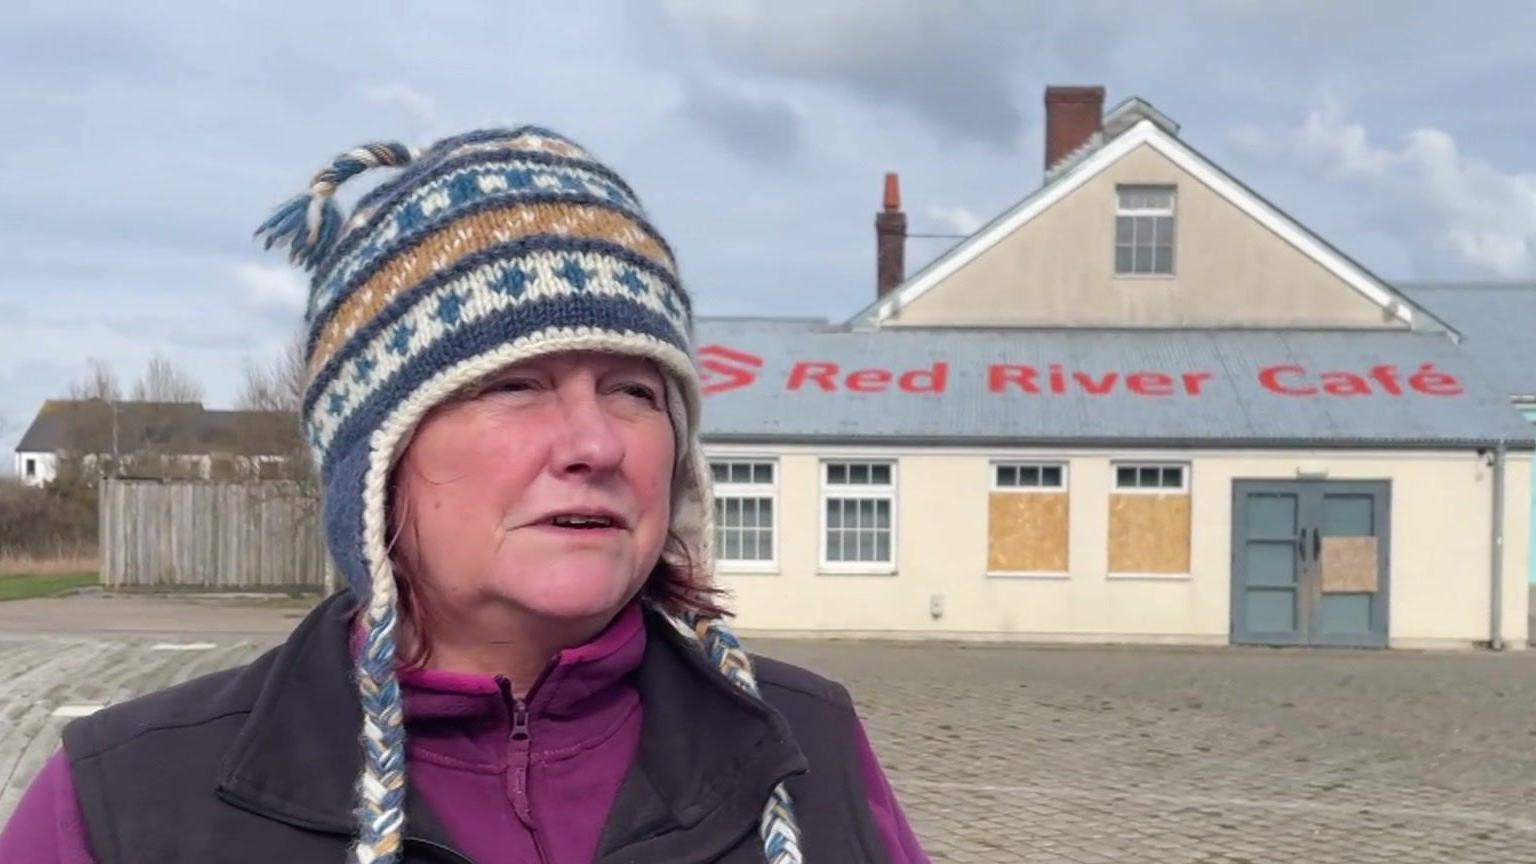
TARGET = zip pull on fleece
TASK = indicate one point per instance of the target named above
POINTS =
(519, 764)
(519, 753)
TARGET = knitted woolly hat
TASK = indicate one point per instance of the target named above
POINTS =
(487, 249)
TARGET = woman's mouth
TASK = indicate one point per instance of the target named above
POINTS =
(582, 522)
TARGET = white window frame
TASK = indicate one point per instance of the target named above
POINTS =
(257, 465)
(768, 490)
(1171, 212)
(29, 470)
(999, 464)
(1181, 489)
(886, 492)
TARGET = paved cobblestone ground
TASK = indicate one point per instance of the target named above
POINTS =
(1023, 754)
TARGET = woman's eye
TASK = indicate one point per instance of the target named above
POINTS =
(513, 385)
(643, 392)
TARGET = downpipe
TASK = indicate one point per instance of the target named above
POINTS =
(1496, 545)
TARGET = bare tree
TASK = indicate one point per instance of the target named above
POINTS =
(277, 385)
(99, 382)
(277, 388)
(82, 457)
(163, 382)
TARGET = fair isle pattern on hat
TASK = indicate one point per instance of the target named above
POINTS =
(487, 249)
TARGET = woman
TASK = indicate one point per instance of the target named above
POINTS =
(505, 415)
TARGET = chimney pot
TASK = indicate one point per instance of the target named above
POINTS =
(1073, 115)
(890, 239)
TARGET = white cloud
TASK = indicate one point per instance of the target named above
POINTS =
(421, 107)
(1425, 185)
(275, 287)
(1254, 140)
(955, 219)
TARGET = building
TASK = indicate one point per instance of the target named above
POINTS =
(158, 439)
(1497, 320)
(1141, 405)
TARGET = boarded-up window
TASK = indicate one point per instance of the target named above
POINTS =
(1027, 519)
(1149, 519)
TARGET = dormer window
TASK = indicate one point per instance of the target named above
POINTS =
(1144, 231)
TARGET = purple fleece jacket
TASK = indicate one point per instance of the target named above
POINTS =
(511, 782)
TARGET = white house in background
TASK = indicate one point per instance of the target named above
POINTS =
(186, 439)
(35, 469)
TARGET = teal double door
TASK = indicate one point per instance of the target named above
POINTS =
(1310, 562)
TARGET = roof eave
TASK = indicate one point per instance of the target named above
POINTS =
(1164, 443)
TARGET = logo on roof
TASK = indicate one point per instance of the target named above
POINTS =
(727, 369)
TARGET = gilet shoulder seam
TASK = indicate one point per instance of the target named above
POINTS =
(104, 749)
(822, 690)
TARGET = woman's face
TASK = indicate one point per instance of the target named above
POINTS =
(548, 490)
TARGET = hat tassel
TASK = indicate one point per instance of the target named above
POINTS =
(310, 224)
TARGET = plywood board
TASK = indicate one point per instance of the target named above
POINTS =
(1149, 533)
(1027, 532)
(1349, 565)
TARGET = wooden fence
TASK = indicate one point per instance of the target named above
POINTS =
(193, 535)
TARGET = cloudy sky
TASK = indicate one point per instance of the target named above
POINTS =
(142, 142)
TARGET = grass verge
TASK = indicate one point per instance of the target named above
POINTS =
(25, 586)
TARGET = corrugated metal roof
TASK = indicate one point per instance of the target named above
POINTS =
(1498, 321)
(750, 375)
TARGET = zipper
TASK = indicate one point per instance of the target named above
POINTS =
(519, 721)
(520, 748)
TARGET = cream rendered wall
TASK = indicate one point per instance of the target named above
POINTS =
(1440, 568)
(1058, 269)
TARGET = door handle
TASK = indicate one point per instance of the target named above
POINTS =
(1301, 545)
(1317, 543)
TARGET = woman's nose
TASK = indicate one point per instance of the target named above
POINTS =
(589, 443)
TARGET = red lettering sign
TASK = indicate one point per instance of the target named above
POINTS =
(1090, 386)
(1001, 375)
(1292, 379)
(869, 381)
(825, 376)
(1193, 380)
(1434, 383)
(819, 374)
(1150, 384)
(1269, 378)
(932, 380)
(726, 369)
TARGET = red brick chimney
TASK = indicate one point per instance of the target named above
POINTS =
(890, 239)
(1072, 116)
